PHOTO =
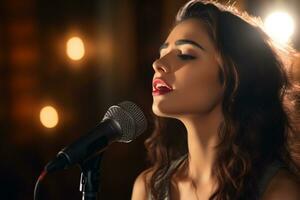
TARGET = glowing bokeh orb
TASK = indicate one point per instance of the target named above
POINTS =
(49, 117)
(280, 26)
(75, 48)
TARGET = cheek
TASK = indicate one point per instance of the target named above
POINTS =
(199, 89)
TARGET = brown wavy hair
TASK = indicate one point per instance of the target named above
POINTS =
(259, 106)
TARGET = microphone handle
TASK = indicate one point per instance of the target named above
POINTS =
(88, 145)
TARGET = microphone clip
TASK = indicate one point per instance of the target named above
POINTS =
(90, 177)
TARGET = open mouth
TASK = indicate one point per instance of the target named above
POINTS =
(160, 92)
(161, 85)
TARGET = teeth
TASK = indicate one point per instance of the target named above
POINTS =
(160, 85)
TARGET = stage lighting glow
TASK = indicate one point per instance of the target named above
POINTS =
(75, 48)
(49, 117)
(280, 26)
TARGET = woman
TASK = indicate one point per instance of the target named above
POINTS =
(221, 79)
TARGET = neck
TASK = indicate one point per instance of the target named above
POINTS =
(202, 135)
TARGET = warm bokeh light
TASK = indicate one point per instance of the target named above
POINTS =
(49, 117)
(280, 26)
(75, 48)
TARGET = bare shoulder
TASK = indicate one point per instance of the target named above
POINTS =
(284, 185)
(140, 187)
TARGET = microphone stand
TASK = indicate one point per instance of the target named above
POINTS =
(90, 177)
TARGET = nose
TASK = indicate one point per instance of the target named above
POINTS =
(159, 66)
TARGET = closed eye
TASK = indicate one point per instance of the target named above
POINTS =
(186, 57)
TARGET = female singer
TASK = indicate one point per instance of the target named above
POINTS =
(228, 84)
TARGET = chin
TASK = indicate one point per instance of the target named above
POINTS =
(157, 111)
(162, 112)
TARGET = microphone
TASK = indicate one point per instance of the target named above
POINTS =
(122, 123)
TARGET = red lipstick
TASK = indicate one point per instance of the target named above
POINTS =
(160, 92)
(160, 87)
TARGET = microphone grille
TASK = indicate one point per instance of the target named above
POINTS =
(130, 118)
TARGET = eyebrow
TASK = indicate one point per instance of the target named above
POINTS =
(182, 42)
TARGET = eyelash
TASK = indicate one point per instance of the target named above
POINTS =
(186, 57)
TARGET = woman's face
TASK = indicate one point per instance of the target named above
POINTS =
(190, 64)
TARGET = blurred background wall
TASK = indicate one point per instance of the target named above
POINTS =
(108, 60)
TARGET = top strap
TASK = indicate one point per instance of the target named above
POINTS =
(270, 172)
(166, 185)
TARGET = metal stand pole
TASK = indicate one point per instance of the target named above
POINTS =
(90, 178)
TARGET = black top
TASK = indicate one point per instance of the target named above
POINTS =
(270, 171)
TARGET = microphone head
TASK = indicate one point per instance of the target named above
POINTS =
(130, 118)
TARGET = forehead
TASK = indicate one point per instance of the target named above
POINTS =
(193, 29)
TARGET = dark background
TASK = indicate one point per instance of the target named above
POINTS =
(121, 39)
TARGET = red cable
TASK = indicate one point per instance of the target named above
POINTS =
(37, 184)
